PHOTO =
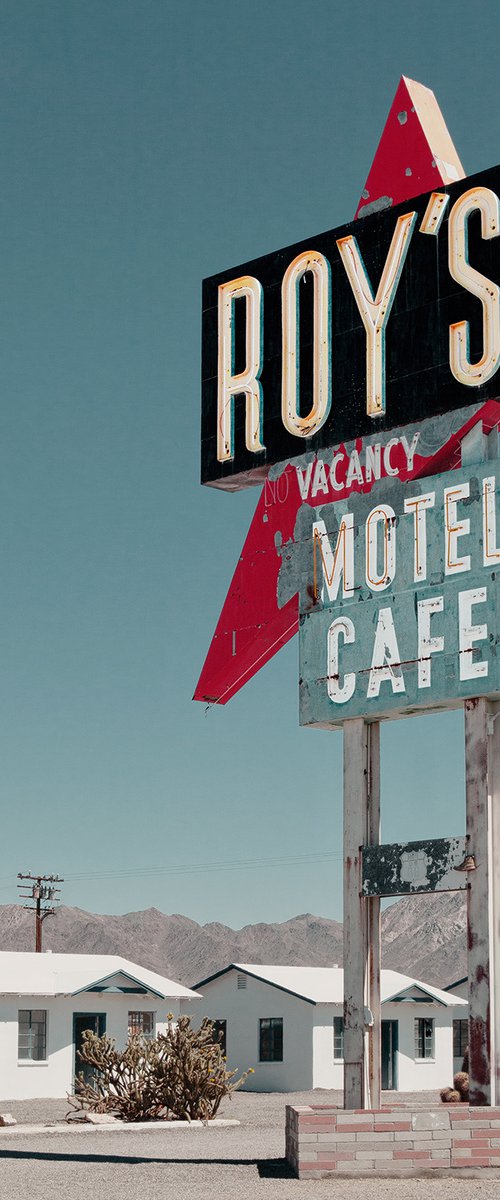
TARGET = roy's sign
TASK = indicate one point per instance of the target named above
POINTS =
(400, 598)
(374, 325)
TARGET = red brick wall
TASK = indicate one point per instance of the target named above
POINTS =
(321, 1140)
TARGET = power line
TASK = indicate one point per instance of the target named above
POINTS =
(202, 867)
(208, 868)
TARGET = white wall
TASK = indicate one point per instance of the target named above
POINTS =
(326, 1072)
(25, 1080)
(414, 1075)
(242, 1009)
(420, 1075)
(308, 1037)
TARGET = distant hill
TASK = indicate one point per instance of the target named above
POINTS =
(423, 936)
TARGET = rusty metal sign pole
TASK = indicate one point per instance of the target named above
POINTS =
(372, 908)
(482, 792)
(482, 769)
(361, 917)
(495, 894)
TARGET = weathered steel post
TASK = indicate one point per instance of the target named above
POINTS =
(477, 787)
(494, 725)
(373, 922)
(361, 916)
(482, 767)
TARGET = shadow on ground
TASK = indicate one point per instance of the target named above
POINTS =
(268, 1168)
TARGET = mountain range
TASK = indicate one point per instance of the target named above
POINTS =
(423, 936)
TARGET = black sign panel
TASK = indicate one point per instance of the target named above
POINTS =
(426, 300)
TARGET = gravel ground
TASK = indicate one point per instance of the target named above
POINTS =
(238, 1163)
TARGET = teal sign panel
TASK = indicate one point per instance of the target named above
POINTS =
(399, 598)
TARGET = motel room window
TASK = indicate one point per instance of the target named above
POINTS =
(141, 1023)
(271, 1039)
(424, 1037)
(32, 1034)
(460, 1038)
(338, 1038)
(220, 1033)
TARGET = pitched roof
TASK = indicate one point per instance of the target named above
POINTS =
(24, 973)
(457, 983)
(325, 985)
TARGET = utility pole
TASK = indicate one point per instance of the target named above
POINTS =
(40, 888)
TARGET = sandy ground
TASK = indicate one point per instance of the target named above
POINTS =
(245, 1162)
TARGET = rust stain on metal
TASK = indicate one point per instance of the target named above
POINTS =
(479, 1049)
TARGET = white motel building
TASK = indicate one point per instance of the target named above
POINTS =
(48, 1000)
(287, 1023)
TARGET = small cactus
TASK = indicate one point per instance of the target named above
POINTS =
(461, 1083)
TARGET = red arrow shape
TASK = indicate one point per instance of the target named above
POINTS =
(415, 155)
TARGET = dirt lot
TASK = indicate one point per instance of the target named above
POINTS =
(245, 1162)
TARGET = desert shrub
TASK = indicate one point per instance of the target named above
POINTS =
(181, 1074)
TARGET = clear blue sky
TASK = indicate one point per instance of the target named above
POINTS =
(145, 145)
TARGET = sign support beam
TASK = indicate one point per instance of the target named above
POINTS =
(361, 916)
(373, 924)
(482, 771)
(494, 727)
(477, 786)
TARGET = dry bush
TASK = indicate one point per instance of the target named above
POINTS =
(180, 1075)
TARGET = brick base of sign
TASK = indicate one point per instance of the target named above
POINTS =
(322, 1140)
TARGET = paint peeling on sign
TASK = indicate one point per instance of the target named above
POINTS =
(399, 595)
(400, 869)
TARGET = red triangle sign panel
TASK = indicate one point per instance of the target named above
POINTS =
(415, 152)
(415, 155)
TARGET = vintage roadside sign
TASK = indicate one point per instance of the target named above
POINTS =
(357, 374)
(399, 598)
(262, 609)
(370, 326)
(415, 155)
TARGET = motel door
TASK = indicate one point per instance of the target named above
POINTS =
(390, 1040)
(96, 1022)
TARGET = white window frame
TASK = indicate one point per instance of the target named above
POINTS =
(424, 1058)
(28, 1060)
(142, 1012)
(336, 1057)
(278, 1020)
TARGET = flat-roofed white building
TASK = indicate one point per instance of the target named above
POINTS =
(287, 1023)
(48, 1000)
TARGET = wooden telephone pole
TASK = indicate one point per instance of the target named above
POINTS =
(40, 888)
